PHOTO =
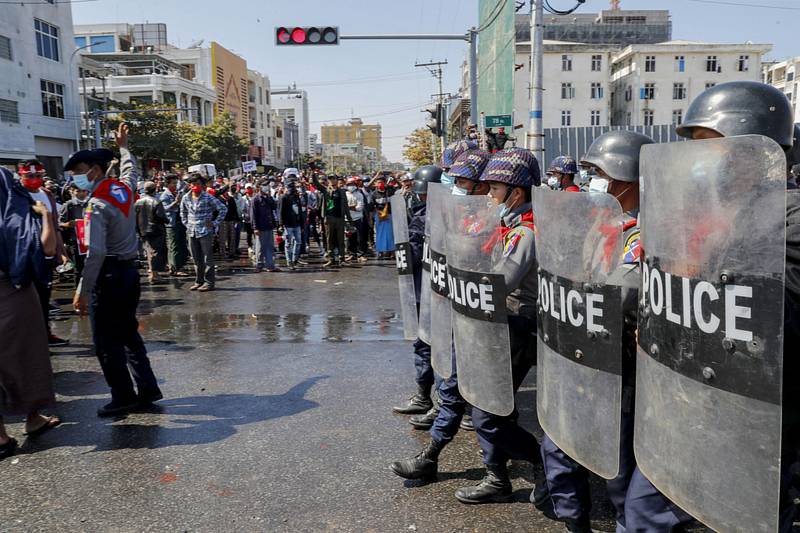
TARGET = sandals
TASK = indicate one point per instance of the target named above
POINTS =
(52, 421)
(8, 449)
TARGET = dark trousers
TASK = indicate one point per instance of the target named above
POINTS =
(336, 244)
(78, 260)
(362, 228)
(248, 229)
(203, 255)
(422, 364)
(313, 231)
(177, 245)
(646, 509)
(44, 290)
(113, 313)
(500, 437)
(452, 408)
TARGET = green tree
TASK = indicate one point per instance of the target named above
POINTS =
(418, 146)
(216, 143)
(153, 134)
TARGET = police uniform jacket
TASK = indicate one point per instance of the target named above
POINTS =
(517, 260)
(416, 237)
(111, 222)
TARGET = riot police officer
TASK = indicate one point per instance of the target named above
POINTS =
(466, 171)
(728, 110)
(450, 155)
(561, 174)
(510, 175)
(612, 162)
(420, 402)
(110, 279)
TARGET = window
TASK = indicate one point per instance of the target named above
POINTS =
(9, 111)
(677, 117)
(650, 63)
(566, 118)
(597, 63)
(566, 63)
(102, 44)
(80, 42)
(789, 96)
(628, 118)
(597, 91)
(628, 93)
(789, 75)
(680, 64)
(678, 91)
(261, 97)
(567, 91)
(712, 65)
(5, 48)
(648, 117)
(710, 84)
(648, 91)
(190, 72)
(46, 40)
(743, 65)
(52, 99)
(594, 118)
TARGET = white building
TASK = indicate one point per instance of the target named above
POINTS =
(642, 84)
(292, 104)
(576, 85)
(261, 133)
(39, 112)
(783, 76)
(104, 38)
(654, 83)
(147, 79)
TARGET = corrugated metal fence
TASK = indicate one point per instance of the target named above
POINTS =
(576, 141)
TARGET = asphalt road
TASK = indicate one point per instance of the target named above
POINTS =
(277, 417)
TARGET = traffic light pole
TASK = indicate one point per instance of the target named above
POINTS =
(536, 125)
(435, 68)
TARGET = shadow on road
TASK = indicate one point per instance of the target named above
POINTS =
(185, 421)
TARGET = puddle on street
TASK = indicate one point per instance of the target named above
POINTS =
(266, 327)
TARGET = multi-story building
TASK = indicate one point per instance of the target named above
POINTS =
(576, 84)
(783, 76)
(642, 84)
(355, 132)
(291, 143)
(145, 79)
(654, 83)
(313, 144)
(612, 26)
(39, 110)
(292, 104)
(225, 73)
(104, 38)
(261, 136)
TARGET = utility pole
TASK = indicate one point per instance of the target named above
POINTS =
(536, 126)
(435, 68)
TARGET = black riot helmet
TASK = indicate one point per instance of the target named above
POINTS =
(617, 154)
(425, 175)
(741, 108)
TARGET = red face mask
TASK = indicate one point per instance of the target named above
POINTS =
(381, 186)
(197, 189)
(32, 184)
(249, 192)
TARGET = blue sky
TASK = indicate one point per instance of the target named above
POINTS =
(376, 80)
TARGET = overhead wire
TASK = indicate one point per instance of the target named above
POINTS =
(496, 13)
(743, 4)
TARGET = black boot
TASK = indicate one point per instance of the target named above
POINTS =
(423, 465)
(578, 526)
(418, 404)
(495, 487)
(466, 423)
(425, 421)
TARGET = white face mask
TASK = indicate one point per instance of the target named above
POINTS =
(265, 189)
(552, 181)
(351, 188)
(458, 191)
(599, 184)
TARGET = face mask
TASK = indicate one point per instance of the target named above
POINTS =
(502, 208)
(381, 187)
(32, 184)
(552, 181)
(351, 188)
(458, 191)
(197, 189)
(447, 179)
(598, 184)
(82, 182)
(265, 190)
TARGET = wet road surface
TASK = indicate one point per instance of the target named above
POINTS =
(277, 417)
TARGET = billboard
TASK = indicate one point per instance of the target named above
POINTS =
(230, 82)
(496, 43)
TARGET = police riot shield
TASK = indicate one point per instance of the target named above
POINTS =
(710, 339)
(441, 310)
(579, 371)
(405, 271)
(478, 299)
(424, 332)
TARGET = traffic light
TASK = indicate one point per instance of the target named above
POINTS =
(435, 122)
(288, 35)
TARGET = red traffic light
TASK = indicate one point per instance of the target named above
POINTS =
(292, 35)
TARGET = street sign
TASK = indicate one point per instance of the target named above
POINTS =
(249, 166)
(498, 121)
